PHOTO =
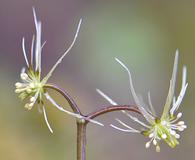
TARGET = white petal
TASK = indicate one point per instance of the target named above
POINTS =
(184, 76)
(148, 117)
(182, 92)
(32, 49)
(38, 47)
(150, 104)
(24, 51)
(35, 18)
(172, 86)
(136, 119)
(63, 55)
(38, 42)
(106, 97)
(125, 125)
(60, 108)
(124, 130)
(46, 120)
(70, 113)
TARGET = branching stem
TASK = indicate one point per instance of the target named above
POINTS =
(82, 123)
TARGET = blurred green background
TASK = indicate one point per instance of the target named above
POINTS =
(144, 34)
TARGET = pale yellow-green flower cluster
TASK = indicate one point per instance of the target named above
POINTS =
(157, 128)
(31, 87)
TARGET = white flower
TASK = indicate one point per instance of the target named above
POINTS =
(32, 84)
(156, 129)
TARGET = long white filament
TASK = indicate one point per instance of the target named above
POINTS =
(60, 108)
(46, 120)
(32, 49)
(135, 119)
(38, 42)
(24, 51)
(130, 129)
(177, 102)
(106, 97)
(121, 129)
(64, 54)
(150, 104)
(172, 86)
(125, 125)
(114, 103)
(148, 117)
(68, 112)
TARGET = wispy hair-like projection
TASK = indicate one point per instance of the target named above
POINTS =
(156, 128)
(32, 84)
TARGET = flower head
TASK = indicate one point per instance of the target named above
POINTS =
(166, 126)
(32, 84)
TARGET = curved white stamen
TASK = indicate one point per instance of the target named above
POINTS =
(124, 130)
(143, 104)
(179, 100)
(136, 119)
(148, 117)
(184, 76)
(68, 112)
(172, 86)
(38, 48)
(125, 125)
(35, 18)
(38, 42)
(46, 120)
(182, 92)
(24, 51)
(64, 54)
(150, 104)
(60, 108)
(32, 49)
(106, 97)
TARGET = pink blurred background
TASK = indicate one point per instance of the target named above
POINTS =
(144, 34)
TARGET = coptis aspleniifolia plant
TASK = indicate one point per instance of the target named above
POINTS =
(33, 88)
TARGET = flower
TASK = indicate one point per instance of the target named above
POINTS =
(156, 129)
(32, 84)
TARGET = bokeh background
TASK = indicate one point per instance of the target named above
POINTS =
(144, 34)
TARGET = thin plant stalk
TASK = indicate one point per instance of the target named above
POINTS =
(82, 123)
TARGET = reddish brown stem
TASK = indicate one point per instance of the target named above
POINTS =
(70, 100)
(105, 110)
(82, 123)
